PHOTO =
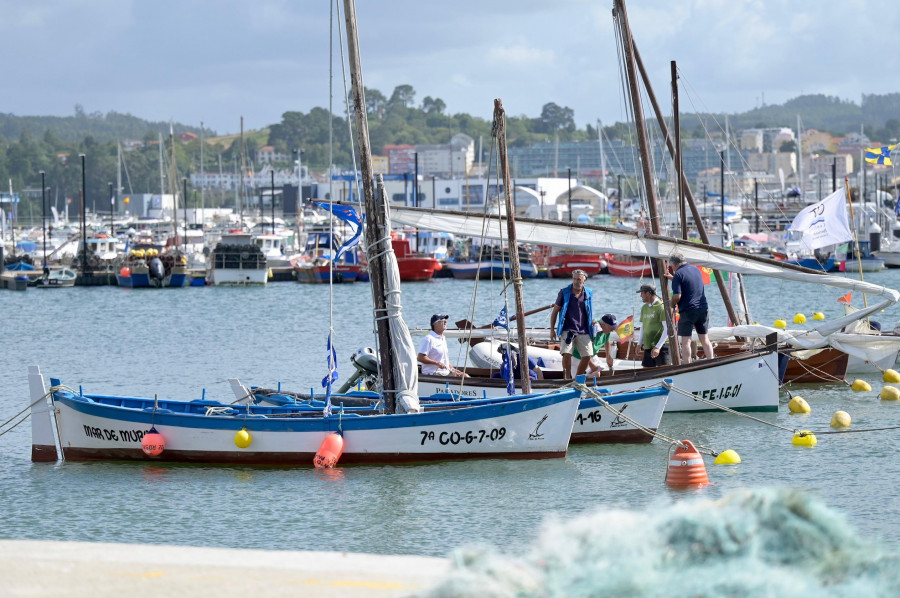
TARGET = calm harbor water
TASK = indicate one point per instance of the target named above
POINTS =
(178, 342)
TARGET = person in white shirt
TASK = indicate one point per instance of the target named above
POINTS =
(433, 353)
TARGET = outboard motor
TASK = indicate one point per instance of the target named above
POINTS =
(157, 270)
(365, 363)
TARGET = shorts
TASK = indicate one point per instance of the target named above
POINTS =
(569, 340)
(662, 359)
(691, 319)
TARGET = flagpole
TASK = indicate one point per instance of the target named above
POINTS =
(855, 238)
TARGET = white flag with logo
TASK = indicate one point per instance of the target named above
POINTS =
(824, 223)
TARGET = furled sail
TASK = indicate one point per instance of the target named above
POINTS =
(593, 238)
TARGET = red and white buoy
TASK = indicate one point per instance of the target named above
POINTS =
(329, 451)
(686, 467)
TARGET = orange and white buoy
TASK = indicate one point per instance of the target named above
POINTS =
(686, 467)
(329, 451)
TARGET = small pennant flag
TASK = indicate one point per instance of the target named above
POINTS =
(625, 330)
(332, 376)
(502, 321)
(508, 372)
(845, 298)
(880, 155)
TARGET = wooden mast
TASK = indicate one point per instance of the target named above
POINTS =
(701, 229)
(376, 231)
(498, 130)
(634, 92)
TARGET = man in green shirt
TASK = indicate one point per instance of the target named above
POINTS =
(653, 335)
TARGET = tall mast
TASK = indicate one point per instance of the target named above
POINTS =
(173, 184)
(243, 169)
(202, 177)
(376, 230)
(162, 172)
(689, 195)
(498, 130)
(645, 165)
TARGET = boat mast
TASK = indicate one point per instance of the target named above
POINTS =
(376, 231)
(689, 195)
(498, 130)
(628, 44)
(173, 185)
(682, 212)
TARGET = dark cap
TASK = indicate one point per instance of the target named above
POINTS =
(647, 288)
(677, 258)
(609, 319)
(438, 318)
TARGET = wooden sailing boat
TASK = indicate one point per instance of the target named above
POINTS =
(83, 426)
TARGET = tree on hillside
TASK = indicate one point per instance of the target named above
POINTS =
(556, 119)
(433, 105)
(404, 95)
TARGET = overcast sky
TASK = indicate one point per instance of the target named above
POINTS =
(215, 61)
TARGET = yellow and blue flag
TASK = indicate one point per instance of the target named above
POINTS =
(880, 155)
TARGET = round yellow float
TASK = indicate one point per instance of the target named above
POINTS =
(804, 438)
(243, 439)
(890, 393)
(840, 419)
(799, 319)
(891, 376)
(728, 457)
(780, 324)
(861, 386)
(818, 316)
(799, 405)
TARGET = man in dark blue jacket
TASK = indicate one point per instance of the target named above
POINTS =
(689, 297)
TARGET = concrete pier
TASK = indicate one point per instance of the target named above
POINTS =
(80, 570)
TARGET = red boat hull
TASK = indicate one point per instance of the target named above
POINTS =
(622, 266)
(562, 266)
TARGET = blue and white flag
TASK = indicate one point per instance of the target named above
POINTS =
(507, 370)
(348, 215)
(502, 321)
(332, 376)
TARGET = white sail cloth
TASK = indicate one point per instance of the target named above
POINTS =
(599, 239)
(863, 346)
(406, 368)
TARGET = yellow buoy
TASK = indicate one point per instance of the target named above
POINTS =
(728, 457)
(799, 319)
(243, 439)
(891, 376)
(818, 316)
(799, 405)
(804, 438)
(780, 324)
(840, 419)
(890, 393)
(861, 386)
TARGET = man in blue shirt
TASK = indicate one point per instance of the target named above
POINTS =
(573, 328)
(693, 311)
